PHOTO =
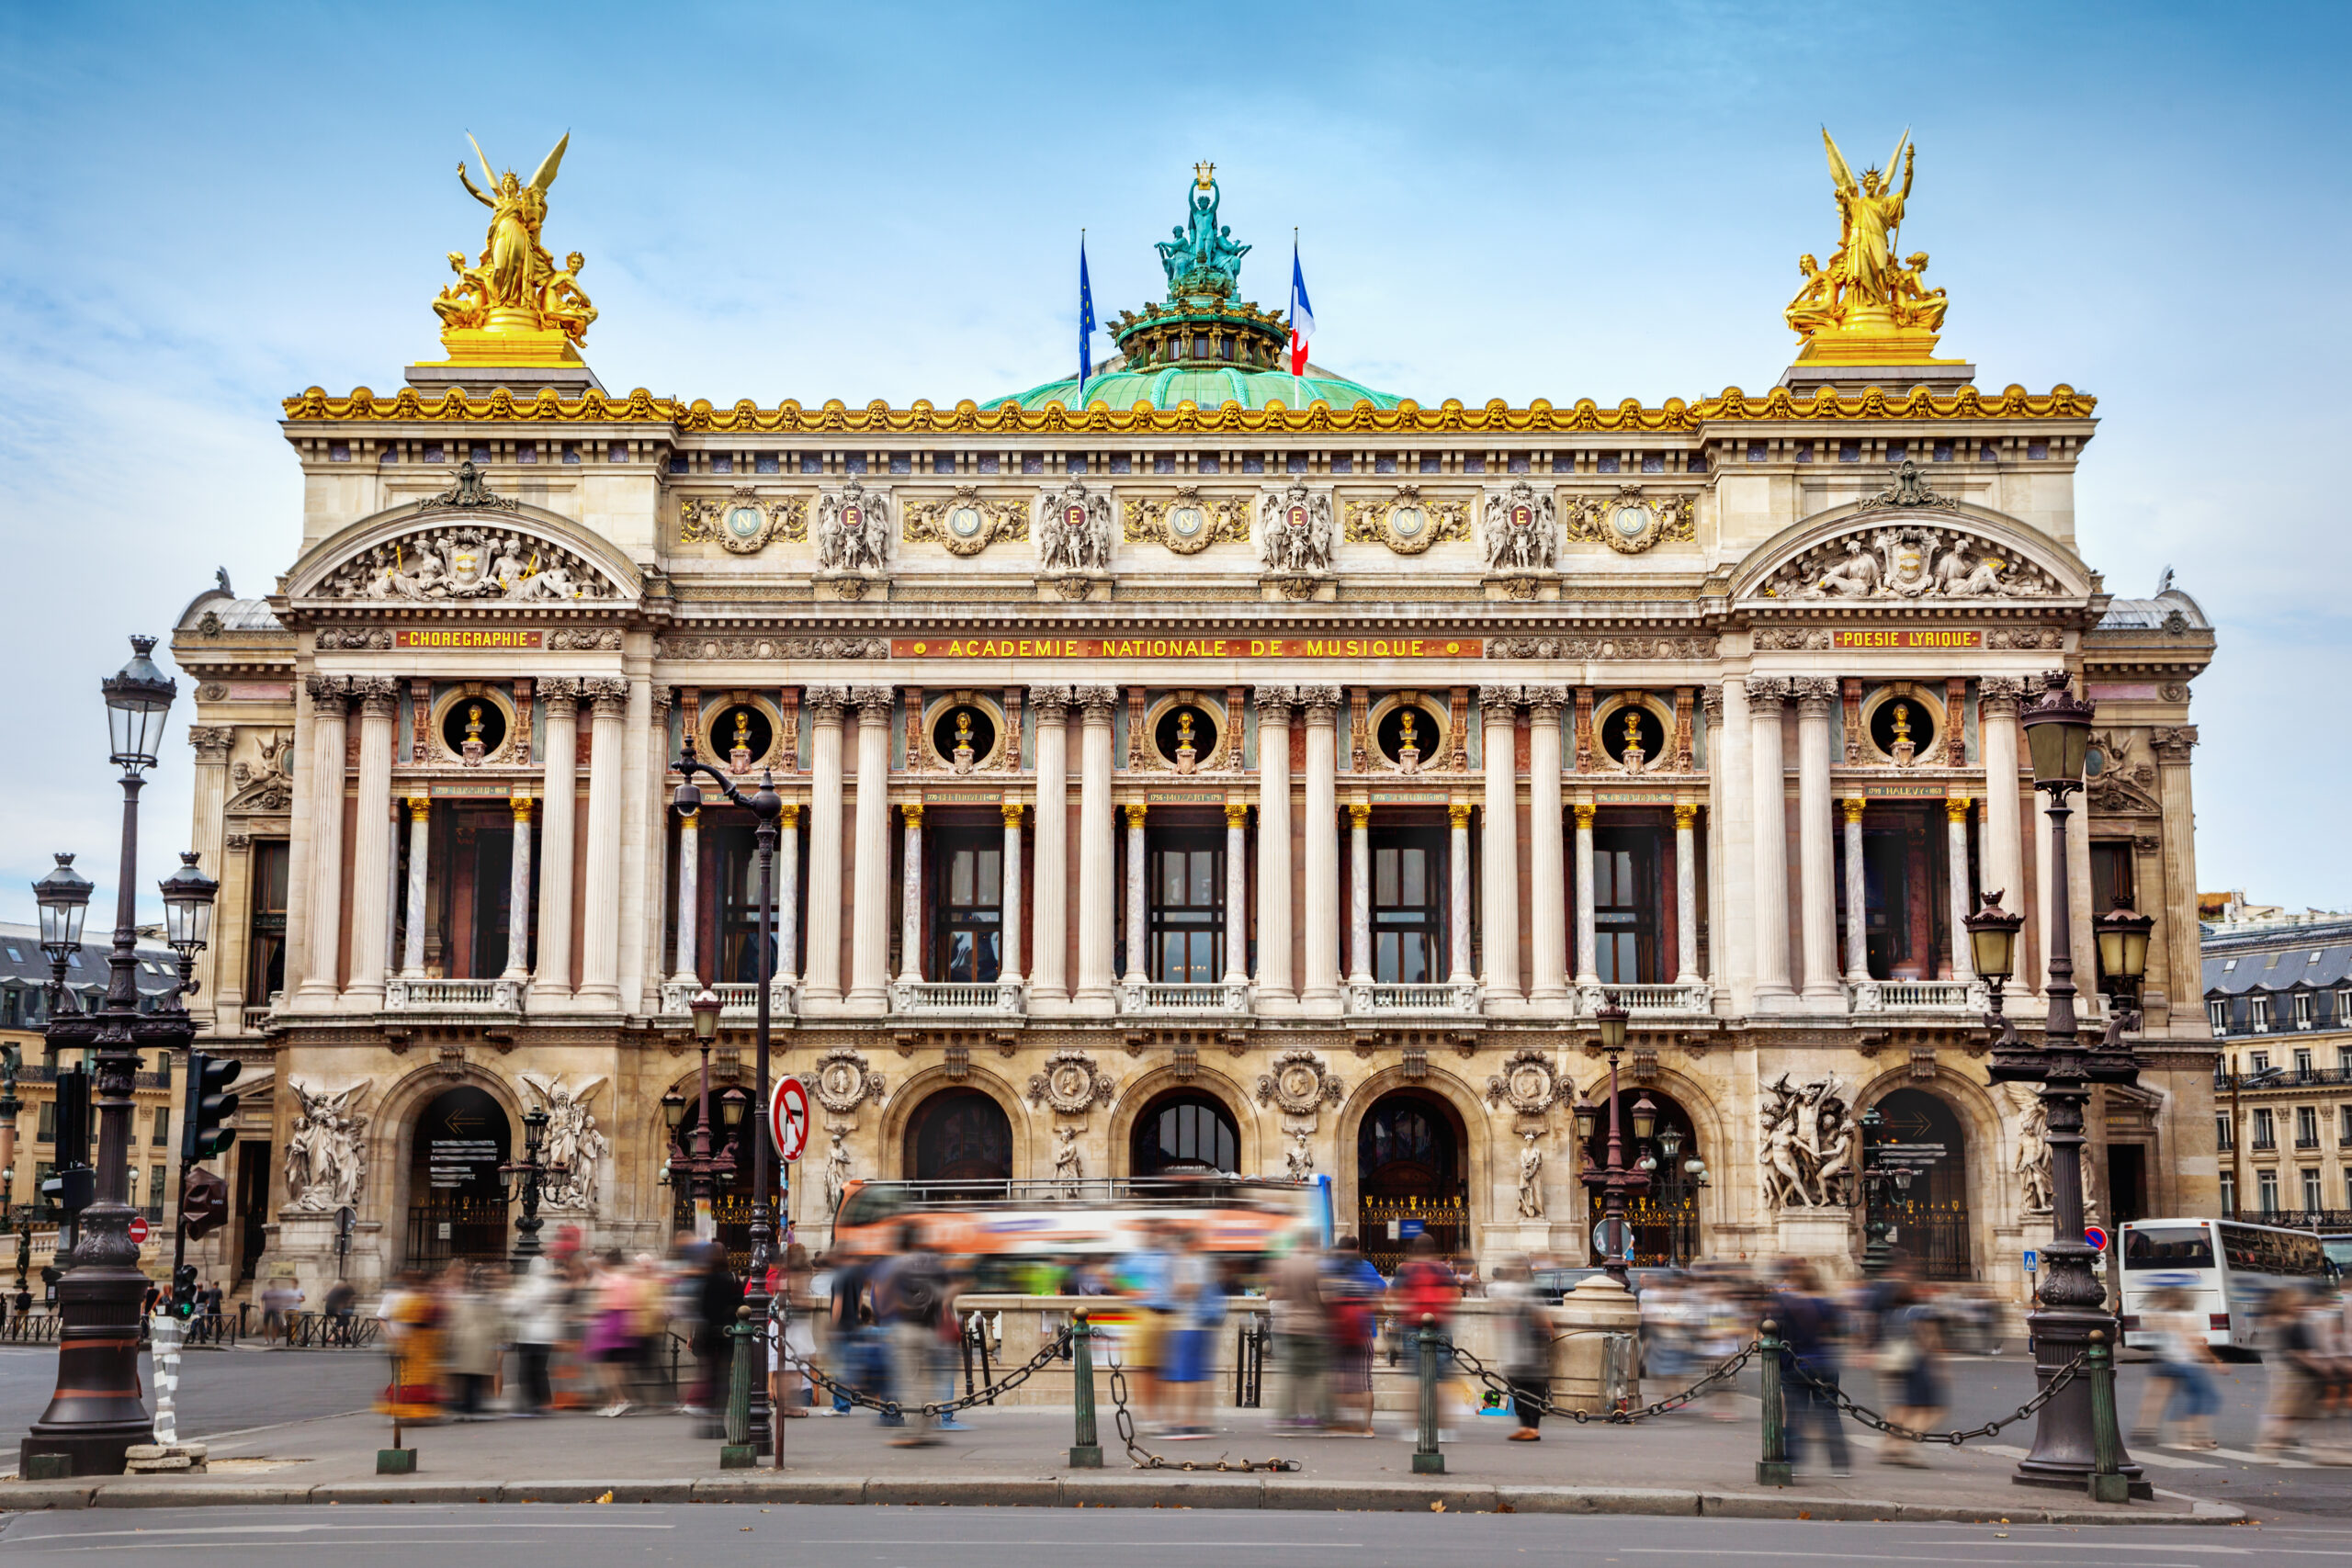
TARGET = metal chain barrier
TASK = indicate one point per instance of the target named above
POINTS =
(1054, 1351)
(1144, 1459)
(1876, 1422)
(1547, 1406)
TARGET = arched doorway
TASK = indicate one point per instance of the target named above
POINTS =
(1920, 1131)
(1411, 1176)
(1186, 1132)
(730, 1191)
(962, 1135)
(458, 1207)
(1666, 1218)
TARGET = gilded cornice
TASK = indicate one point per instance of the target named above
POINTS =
(969, 418)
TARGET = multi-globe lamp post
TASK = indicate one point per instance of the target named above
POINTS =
(2071, 1302)
(1612, 1177)
(699, 1162)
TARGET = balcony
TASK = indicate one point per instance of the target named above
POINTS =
(957, 999)
(1375, 1000)
(739, 1003)
(1153, 999)
(256, 1020)
(477, 997)
(1949, 998)
(1695, 999)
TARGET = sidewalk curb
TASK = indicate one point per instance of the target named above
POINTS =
(1179, 1491)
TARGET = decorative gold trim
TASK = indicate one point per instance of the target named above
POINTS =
(1147, 522)
(1592, 519)
(1373, 522)
(925, 522)
(702, 520)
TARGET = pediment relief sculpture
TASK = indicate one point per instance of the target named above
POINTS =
(743, 522)
(1631, 522)
(266, 783)
(2125, 783)
(1187, 522)
(966, 523)
(1910, 561)
(1406, 523)
(466, 562)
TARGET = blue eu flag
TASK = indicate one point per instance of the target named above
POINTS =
(1085, 323)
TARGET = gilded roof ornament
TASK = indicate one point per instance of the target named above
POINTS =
(513, 305)
(1867, 307)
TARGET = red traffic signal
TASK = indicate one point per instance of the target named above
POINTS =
(207, 1204)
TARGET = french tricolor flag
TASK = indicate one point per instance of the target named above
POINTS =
(1301, 315)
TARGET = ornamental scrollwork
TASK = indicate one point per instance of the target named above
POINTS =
(462, 562)
(741, 522)
(1406, 523)
(966, 523)
(1601, 647)
(1909, 563)
(1521, 531)
(1071, 1083)
(327, 638)
(843, 1081)
(1299, 1084)
(1187, 522)
(470, 491)
(1528, 1082)
(691, 645)
(1630, 522)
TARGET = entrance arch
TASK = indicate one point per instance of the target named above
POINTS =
(959, 1134)
(1666, 1218)
(1186, 1132)
(1411, 1175)
(458, 1202)
(1921, 1132)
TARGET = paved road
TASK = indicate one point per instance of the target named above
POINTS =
(220, 1391)
(583, 1536)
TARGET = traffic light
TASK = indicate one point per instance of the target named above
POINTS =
(205, 1205)
(183, 1290)
(72, 1117)
(204, 1130)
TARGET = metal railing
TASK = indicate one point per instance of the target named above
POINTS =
(406, 995)
(32, 1328)
(1160, 997)
(2281, 1078)
(957, 999)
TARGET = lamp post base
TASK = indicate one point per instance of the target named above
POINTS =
(96, 1412)
(2065, 1454)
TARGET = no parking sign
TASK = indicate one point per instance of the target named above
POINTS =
(788, 1118)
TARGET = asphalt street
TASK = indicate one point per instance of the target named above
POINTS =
(585, 1536)
(220, 1391)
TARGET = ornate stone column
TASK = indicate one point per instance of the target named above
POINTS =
(823, 990)
(1768, 813)
(1858, 938)
(1731, 800)
(910, 894)
(599, 947)
(1359, 892)
(1320, 992)
(1547, 915)
(420, 855)
(1237, 884)
(1588, 927)
(1050, 975)
(1498, 747)
(1138, 911)
(788, 895)
(1459, 969)
(371, 879)
(2177, 931)
(1963, 905)
(1817, 853)
(2002, 860)
(1274, 992)
(1685, 893)
(869, 946)
(322, 965)
(685, 971)
(551, 982)
(1009, 920)
(518, 891)
(1097, 978)
(213, 743)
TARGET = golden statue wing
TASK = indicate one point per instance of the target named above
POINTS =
(1896, 161)
(547, 166)
(489, 174)
(1839, 175)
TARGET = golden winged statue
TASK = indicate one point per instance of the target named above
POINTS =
(513, 305)
(1867, 307)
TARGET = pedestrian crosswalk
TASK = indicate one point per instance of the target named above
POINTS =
(2157, 1459)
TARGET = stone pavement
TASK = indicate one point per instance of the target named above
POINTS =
(1682, 1464)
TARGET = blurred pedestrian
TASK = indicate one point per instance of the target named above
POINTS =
(2180, 1387)
(1909, 1363)
(1196, 1313)
(476, 1335)
(1149, 1271)
(1300, 1342)
(535, 1305)
(611, 1340)
(413, 1323)
(2296, 1372)
(1809, 1335)
(792, 1344)
(1524, 1325)
(1351, 1293)
(716, 1295)
(910, 1295)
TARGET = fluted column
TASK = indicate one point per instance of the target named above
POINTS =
(1499, 710)
(371, 889)
(1097, 908)
(869, 944)
(1360, 893)
(1731, 857)
(1685, 893)
(823, 988)
(518, 891)
(1459, 971)
(2175, 905)
(1817, 852)
(1547, 914)
(1049, 975)
(215, 998)
(420, 855)
(551, 981)
(911, 894)
(2002, 857)
(1858, 939)
(684, 971)
(1956, 841)
(1237, 891)
(322, 970)
(1138, 911)
(1768, 816)
(1274, 991)
(1588, 928)
(1009, 918)
(1320, 989)
(600, 943)
(788, 895)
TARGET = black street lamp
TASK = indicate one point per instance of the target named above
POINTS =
(1675, 1181)
(767, 809)
(188, 925)
(64, 897)
(1613, 1178)
(96, 1411)
(530, 1170)
(2071, 1302)
(701, 1167)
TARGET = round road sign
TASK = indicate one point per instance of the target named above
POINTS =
(789, 1118)
(138, 1230)
(2095, 1237)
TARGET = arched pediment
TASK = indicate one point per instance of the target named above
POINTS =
(454, 550)
(1938, 553)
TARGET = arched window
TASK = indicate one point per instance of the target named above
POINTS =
(1186, 1134)
(960, 1135)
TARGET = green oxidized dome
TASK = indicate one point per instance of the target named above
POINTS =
(1210, 387)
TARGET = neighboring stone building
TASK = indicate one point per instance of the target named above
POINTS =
(1225, 768)
(2278, 992)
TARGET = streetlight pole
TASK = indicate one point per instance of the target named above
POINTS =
(530, 1169)
(766, 809)
(1612, 1179)
(96, 1411)
(2071, 1302)
(702, 1166)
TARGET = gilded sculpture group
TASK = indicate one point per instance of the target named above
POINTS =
(515, 285)
(1864, 285)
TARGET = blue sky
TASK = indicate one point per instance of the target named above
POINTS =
(210, 207)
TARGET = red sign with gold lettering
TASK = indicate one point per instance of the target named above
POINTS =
(1182, 648)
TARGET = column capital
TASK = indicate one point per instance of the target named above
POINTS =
(1135, 809)
(1584, 810)
(789, 815)
(328, 689)
(1853, 805)
(1686, 815)
(1998, 695)
(873, 703)
(2171, 743)
(1011, 810)
(1457, 812)
(1237, 814)
(561, 693)
(420, 808)
(1321, 703)
(607, 694)
(1546, 700)
(521, 805)
(1767, 693)
(211, 742)
(1815, 694)
(1275, 702)
(1711, 702)
(1052, 702)
(380, 695)
(825, 703)
(1095, 703)
(912, 811)
(1359, 814)
(691, 821)
(1956, 808)
(1501, 701)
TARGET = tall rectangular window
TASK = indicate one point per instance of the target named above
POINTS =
(2302, 1061)
(1625, 906)
(2217, 1013)
(2222, 1127)
(265, 923)
(2344, 1125)
(2266, 1133)
(968, 905)
(738, 957)
(2228, 1194)
(2304, 1010)
(2266, 1186)
(162, 1126)
(2315, 1199)
(1185, 883)
(2307, 1126)
(1409, 884)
